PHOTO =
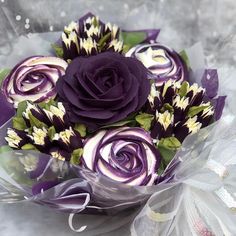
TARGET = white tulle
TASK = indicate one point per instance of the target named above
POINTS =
(202, 201)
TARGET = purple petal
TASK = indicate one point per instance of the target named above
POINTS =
(210, 82)
(218, 104)
(87, 15)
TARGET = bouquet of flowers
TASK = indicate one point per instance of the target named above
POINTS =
(112, 120)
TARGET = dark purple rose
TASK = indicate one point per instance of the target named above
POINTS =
(126, 155)
(163, 62)
(103, 89)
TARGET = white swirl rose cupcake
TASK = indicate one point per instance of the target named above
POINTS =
(163, 62)
(126, 155)
(33, 79)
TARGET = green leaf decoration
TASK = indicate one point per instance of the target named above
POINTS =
(3, 74)
(167, 156)
(35, 122)
(119, 124)
(5, 148)
(145, 120)
(185, 58)
(131, 39)
(184, 89)
(194, 110)
(46, 105)
(167, 148)
(75, 157)
(18, 123)
(28, 146)
(81, 129)
(103, 40)
(57, 49)
(21, 108)
(167, 107)
(170, 143)
(126, 48)
(161, 168)
(95, 22)
(51, 132)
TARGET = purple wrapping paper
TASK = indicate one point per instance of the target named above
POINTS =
(6, 109)
(210, 82)
(51, 182)
(70, 196)
(66, 189)
(151, 34)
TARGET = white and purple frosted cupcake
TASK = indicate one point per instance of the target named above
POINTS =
(126, 155)
(163, 62)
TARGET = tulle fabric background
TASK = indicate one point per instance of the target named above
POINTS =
(182, 24)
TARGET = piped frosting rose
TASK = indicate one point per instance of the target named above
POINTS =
(163, 62)
(33, 79)
(103, 89)
(126, 155)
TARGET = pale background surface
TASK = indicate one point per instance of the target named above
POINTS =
(182, 24)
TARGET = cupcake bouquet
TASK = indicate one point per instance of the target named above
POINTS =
(100, 124)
